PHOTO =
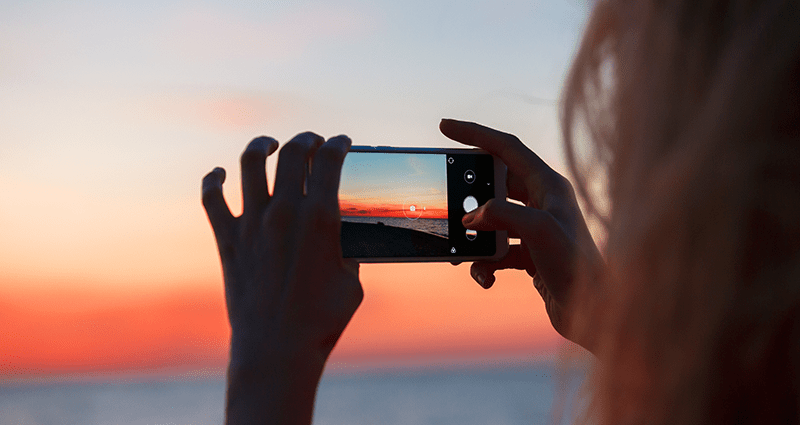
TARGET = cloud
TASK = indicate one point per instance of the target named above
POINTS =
(217, 108)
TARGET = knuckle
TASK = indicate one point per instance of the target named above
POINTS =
(514, 142)
(513, 139)
(563, 182)
(562, 185)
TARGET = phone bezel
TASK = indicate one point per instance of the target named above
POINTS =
(500, 172)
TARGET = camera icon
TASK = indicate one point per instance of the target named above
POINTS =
(469, 176)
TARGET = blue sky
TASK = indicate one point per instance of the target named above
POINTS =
(386, 178)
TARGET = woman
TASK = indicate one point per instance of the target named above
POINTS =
(693, 111)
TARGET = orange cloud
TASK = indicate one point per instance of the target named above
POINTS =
(212, 109)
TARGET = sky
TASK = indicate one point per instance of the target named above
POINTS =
(388, 185)
(111, 113)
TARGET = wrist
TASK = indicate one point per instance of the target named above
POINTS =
(272, 385)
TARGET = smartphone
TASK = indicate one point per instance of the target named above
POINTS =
(406, 204)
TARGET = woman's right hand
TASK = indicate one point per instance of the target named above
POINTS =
(556, 246)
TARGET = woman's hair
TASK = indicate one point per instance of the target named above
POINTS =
(692, 112)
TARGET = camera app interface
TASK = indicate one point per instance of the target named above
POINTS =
(410, 204)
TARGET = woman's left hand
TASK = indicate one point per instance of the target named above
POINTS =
(289, 292)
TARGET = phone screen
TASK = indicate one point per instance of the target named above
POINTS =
(409, 205)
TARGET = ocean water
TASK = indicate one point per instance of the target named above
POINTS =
(436, 226)
(464, 397)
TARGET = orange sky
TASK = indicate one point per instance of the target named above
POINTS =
(142, 299)
(410, 313)
(361, 209)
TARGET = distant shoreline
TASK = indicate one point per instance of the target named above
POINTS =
(393, 222)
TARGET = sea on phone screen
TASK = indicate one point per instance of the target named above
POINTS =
(435, 226)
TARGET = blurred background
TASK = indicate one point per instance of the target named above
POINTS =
(111, 301)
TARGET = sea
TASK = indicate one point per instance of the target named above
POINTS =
(436, 226)
(505, 396)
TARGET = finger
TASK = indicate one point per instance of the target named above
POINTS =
(517, 259)
(551, 251)
(516, 189)
(497, 214)
(214, 202)
(326, 171)
(255, 194)
(520, 160)
(506, 146)
(511, 233)
(293, 165)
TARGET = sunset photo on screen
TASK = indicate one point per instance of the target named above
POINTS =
(383, 192)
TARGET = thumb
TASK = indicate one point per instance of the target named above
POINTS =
(550, 249)
(497, 214)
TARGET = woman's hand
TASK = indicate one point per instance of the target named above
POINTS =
(556, 244)
(288, 290)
